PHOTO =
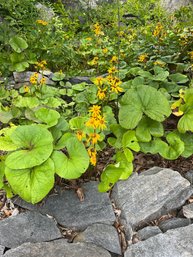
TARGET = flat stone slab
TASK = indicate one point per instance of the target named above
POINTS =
(148, 232)
(148, 196)
(102, 235)
(69, 212)
(27, 227)
(188, 211)
(174, 243)
(174, 223)
(59, 248)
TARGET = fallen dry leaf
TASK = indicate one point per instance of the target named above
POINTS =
(80, 194)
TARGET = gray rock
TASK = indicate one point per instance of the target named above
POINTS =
(188, 211)
(2, 248)
(27, 227)
(174, 223)
(67, 209)
(172, 5)
(21, 77)
(78, 80)
(150, 195)
(102, 235)
(147, 232)
(59, 248)
(45, 13)
(189, 176)
(173, 243)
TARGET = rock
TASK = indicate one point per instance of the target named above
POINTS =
(147, 232)
(67, 209)
(78, 80)
(21, 77)
(172, 5)
(173, 243)
(189, 176)
(45, 13)
(2, 248)
(102, 235)
(27, 227)
(59, 248)
(150, 195)
(174, 223)
(188, 211)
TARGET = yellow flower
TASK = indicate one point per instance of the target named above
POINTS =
(97, 29)
(26, 89)
(89, 38)
(92, 154)
(94, 137)
(34, 78)
(43, 81)
(114, 59)
(191, 55)
(94, 61)
(99, 81)
(143, 58)
(159, 63)
(42, 22)
(95, 110)
(112, 70)
(105, 50)
(91, 123)
(115, 84)
(101, 94)
(100, 123)
(41, 65)
(158, 30)
(80, 135)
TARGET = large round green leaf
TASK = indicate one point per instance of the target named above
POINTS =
(48, 116)
(34, 184)
(142, 100)
(74, 163)
(109, 177)
(18, 44)
(185, 122)
(129, 140)
(148, 128)
(35, 143)
(171, 150)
